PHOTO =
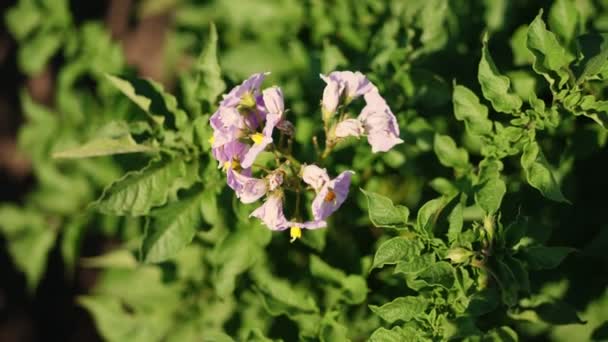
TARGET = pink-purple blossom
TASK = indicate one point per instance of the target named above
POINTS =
(248, 189)
(243, 127)
(272, 215)
(331, 196)
(379, 123)
(330, 193)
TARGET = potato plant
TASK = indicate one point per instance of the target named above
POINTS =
(421, 170)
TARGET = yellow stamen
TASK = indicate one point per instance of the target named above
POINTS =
(247, 101)
(230, 164)
(257, 138)
(211, 140)
(295, 232)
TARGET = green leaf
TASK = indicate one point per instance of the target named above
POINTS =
(483, 302)
(150, 96)
(320, 269)
(415, 265)
(438, 274)
(539, 174)
(395, 250)
(383, 213)
(172, 228)
(209, 77)
(502, 334)
(550, 57)
(397, 334)
(428, 213)
(402, 308)
(112, 321)
(35, 54)
(496, 87)
(594, 47)
(104, 147)
(601, 332)
(30, 239)
(119, 258)
(331, 58)
(467, 108)
(550, 311)
(279, 297)
(115, 323)
(139, 191)
(71, 237)
(330, 330)
(354, 289)
(490, 194)
(563, 20)
(521, 54)
(449, 154)
(542, 257)
(231, 257)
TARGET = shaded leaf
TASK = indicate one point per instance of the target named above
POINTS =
(383, 213)
(539, 173)
(402, 308)
(395, 250)
(495, 86)
(449, 154)
(172, 228)
(467, 108)
(542, 257)
(139, 191)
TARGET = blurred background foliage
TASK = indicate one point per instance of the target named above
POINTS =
(58, 256)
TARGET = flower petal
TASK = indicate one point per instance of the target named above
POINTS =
(331, 196)
(271, 213)
(248, 189)
(349, 127)
(314, 176)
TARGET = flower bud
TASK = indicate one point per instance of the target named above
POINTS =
(458, 255)
(488, 225)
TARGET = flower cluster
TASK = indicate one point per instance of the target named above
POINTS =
(244, 125)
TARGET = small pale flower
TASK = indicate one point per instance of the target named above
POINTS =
(248, 189)
(355, 83)
(379, 123)
(349, 127)
(271, 212)
(331, 96)
(314, 176)
(273, 100)
(233, 151)
(261, 140)
(245, 93)
(331, 196)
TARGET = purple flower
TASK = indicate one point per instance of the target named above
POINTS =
(245, 93)
(331, 96)
(271, 214)
(314, 176)
(379, 123)
(343, 84)
(229, 153)
(355, 83)
(349, 127)
(273, 100)
(261, 140)
(331, 196)
(248, 189)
